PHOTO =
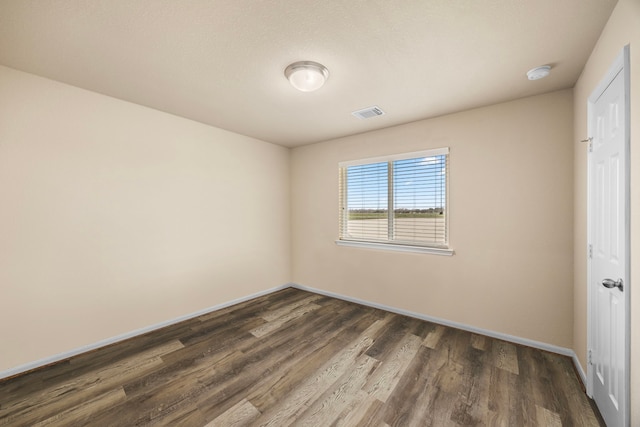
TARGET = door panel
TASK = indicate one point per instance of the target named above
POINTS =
(608, 233)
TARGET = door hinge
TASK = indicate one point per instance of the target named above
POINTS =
(590, 251)
(590, 357)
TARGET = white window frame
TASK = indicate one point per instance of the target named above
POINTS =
(443, 249)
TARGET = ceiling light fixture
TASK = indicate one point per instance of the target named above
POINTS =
(538, 72)
(306, 76)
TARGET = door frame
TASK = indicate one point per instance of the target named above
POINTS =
(621, 64)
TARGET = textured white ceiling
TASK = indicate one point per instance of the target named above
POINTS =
(221, 62)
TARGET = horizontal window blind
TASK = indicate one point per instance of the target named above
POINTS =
(400, 199)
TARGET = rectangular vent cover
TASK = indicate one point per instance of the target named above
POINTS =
(367, 113)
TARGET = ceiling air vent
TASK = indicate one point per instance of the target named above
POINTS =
(367, 113)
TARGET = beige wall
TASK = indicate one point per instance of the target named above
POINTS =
(511, 202)
(116, 217)
(623, 28)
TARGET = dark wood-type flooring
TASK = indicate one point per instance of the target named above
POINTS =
(297, 358)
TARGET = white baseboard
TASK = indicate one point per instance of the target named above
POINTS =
(76, 351)
(579, 369)
(499, 335)
(511, 338)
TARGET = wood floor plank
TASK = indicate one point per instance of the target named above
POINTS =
(273, 352)
(538, 381)
(275, 314)
(151, 381)
(172, 401)
(282, 382)
(238, 321)
(447, 383)
(80, 415)
(355, 411)
(417, 379)
(271, 326)
(479, 342)
(188, 416)
(433, 338)
(80, 389)
(325, 410)
(313, 360)
(473, 401)
(392, 332)
(91, 361)
(505, 356)
(563, 395)
(502, 386)
(433, 379)
(535, 380)
(298, 401)
(547, 418)
(255, 306)
(366, 414)
(215, 343)
(383, 381)
(421, 328)
(241, 414)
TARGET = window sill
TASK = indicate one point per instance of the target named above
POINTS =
(396, 248)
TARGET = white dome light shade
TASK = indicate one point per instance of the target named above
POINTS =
(538, 72)
(306, 76)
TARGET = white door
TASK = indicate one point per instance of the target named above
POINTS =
(609, 247)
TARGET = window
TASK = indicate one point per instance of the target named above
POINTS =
(396, 202)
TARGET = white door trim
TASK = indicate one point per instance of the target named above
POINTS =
(621, 64)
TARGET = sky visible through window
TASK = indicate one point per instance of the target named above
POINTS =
(418, 183)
